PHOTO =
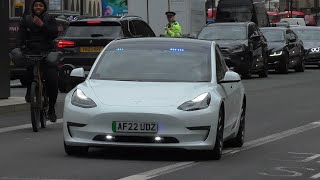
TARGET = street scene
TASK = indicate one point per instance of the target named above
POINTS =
(149, 89)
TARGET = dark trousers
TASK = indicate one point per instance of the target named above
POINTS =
(50, 74)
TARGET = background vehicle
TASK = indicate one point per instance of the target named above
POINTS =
(285, 49)
(177, 85)
(18, 69)
(86, 38)
(311, 41)
(243, 11)
(295, 14)
(242, 44)
(274, 17)
(294, 21)
(191, 14)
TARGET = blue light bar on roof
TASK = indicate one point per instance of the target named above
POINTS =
(176, 49)
(120, 49)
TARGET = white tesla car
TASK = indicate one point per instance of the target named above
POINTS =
(158, 93)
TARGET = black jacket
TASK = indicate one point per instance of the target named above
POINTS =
(37, 39)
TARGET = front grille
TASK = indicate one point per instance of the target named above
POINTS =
(136, 139)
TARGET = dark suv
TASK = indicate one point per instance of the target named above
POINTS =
(18, 69)
(86, 38)
(243, 45)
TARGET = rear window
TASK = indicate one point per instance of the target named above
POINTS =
(109, 30)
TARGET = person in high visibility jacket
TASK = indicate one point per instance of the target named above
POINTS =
(173, 28)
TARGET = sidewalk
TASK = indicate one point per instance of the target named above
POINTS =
(13, 104)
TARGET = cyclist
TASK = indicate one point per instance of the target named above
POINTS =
(36, 34)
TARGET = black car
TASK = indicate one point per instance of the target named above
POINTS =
(243, 45)
(285, 49)
(311, 41)
(86, 38)
(18, 69)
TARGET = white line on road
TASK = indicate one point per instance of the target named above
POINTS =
(317, 176)
(249, 145)
(15, 178)
(25, 126)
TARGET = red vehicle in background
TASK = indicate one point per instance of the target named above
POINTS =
(295, 14)
(211, 16)
(274, 17)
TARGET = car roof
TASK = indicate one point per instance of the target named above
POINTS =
(165, 40)
(108, 18)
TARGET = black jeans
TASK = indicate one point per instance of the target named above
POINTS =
(50, 74)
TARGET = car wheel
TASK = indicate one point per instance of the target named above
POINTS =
(75, 150)
(300, 66)
(284, 66)
(216, 153)
(238, 141)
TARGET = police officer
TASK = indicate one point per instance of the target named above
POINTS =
(173, 28)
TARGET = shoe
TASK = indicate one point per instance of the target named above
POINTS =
(52, 115)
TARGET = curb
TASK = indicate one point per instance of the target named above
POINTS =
(19, 107)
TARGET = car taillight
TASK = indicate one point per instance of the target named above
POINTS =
(93, 22)
(65, 44)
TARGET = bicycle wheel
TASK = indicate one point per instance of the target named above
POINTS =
(35, 106)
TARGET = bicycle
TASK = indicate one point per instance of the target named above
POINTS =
(39, 102)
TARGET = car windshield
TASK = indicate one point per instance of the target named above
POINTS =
(94, 31)
(226, 32)
(155, 62)
(308, 34)
(273, 35)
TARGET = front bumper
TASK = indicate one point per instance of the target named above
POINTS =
(274, 61)
(312, 59)
(185, 127)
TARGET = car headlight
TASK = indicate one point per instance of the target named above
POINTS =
(238, 49)
(81, 100)
(315, 50)
(198, 103)
(277, 53)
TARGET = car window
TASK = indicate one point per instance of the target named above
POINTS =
(143, 29)
(223, 32)
(125, 28)
(112, 30)
(221, 67)
(132, 29)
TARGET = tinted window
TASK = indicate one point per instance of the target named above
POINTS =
(274, 35)
(105, 30)
(308, 34)
(223, 32)
(155, 62)
(221, 67)
(142, 29)
(132, 29)
(125, 29)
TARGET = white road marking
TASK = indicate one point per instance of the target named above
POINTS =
(317, 176)
(25, 126)
(15, 178)
(249, 145)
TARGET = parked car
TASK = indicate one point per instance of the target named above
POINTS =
(86, 38)
(17, 69)
(311, 40)
(285, 49)
(243, 11)
(243, 45)
(294, 21)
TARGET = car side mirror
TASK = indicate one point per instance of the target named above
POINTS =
(230, 77)
(77, 76)
(78, 73)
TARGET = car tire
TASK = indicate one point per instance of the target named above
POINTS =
(216, 153)
(300, 66)
(238, 141)
(284, 66)
(75, 150)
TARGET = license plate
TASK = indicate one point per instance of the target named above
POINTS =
(90, 49)
(134, 127)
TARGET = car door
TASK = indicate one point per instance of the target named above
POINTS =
(231, 95)
(292, 46)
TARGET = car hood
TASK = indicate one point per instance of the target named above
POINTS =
(311, 44)
(147, 94)
(230, 43)
(275, 46)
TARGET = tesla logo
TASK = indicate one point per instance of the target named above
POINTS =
(315, 50)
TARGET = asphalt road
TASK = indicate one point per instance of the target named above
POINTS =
(282, 142)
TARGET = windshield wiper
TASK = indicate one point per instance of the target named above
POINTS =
(97, 35)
